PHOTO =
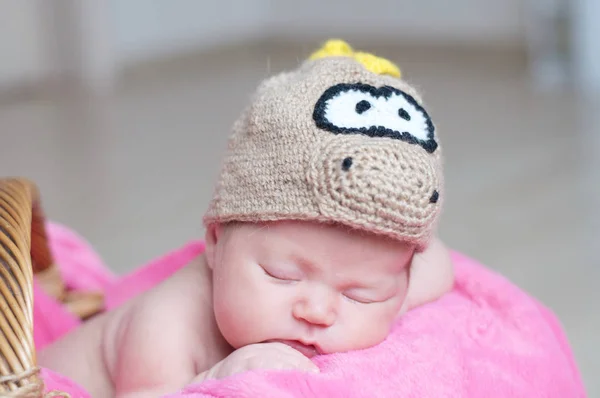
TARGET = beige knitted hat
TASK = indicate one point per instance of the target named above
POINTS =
(341, 139)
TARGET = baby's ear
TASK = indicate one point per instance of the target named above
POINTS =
(213, 233)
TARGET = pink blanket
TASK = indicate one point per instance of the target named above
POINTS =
(486, 338)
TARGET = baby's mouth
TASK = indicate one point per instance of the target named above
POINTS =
(308, 350)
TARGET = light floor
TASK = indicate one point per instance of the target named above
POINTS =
(133, 173)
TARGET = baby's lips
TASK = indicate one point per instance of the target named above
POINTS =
(308, 350)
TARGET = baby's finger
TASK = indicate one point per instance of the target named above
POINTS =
(302, 363)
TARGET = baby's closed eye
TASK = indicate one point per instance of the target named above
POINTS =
(358, 299)
(281, 274)
(367, 296)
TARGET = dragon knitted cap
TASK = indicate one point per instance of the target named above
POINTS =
(342, 139)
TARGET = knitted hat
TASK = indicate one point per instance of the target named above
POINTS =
(340, 139)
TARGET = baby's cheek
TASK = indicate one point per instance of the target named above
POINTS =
(234, 317)
(245, 315)
(362, 328)
(383, 319)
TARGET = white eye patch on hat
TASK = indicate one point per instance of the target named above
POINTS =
(376, 112)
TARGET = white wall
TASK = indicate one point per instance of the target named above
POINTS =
(22, 58)
(586, 42)
(97, 37)
(470, 21)
(102, 36)
(149, 28)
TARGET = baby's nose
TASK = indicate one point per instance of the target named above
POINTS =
(317, 308)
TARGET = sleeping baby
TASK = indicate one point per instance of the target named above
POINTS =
(319, 236)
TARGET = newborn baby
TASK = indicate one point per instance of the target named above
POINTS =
(319, 236)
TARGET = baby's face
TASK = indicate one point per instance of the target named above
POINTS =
(321, 289)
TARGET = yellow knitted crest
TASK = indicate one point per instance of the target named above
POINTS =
(337, 48)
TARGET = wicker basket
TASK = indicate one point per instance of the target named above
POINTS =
(24, 252)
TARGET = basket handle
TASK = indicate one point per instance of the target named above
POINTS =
(23, 251)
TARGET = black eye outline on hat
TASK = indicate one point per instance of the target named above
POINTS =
(361, 99)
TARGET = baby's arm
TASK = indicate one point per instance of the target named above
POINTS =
(78, 356)
(147, 348)
(431, 275)
(136, 351)
(159, 347)
(152, 352)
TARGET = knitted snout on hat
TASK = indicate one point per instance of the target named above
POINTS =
(340, 139)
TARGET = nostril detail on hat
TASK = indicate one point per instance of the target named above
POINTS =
(346, 164)
(434, 197)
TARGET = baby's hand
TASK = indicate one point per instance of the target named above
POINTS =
(259, 356)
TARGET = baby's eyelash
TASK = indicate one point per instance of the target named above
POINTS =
(379, 299)
(276, 277)
(358, 301)
(271, 275)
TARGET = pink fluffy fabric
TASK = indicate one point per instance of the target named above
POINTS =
(486, 338)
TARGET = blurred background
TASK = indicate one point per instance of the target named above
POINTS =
(120, 110)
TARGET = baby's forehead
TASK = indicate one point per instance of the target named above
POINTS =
(326, 246)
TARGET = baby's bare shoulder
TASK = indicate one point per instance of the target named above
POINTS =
(164, 329)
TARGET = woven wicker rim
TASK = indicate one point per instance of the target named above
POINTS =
(23, 251)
